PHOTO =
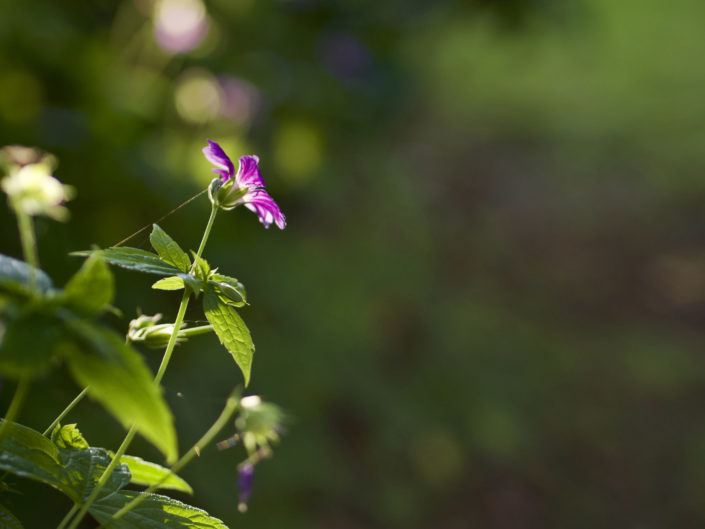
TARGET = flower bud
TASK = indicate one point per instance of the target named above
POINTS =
(245, 482)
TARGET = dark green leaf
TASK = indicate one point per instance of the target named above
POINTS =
(168, 249)
(133, 259)
(156, 512)
(147, 473)
(28, 344)
(231, 330)
(120, 380)
(27, 453)
(8, 520)
(92, 289)
(15, 274)
(169, 283)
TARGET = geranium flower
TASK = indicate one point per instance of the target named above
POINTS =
(244, 187)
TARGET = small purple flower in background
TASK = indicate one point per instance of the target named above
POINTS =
(245, 480)
(247, 185)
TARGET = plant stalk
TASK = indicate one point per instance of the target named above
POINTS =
(66, 411)
(15, 404)
(231, 406)
(157, 378)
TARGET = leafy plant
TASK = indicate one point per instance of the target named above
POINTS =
(42, 326)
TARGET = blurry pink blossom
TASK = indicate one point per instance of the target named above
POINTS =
(180, 25)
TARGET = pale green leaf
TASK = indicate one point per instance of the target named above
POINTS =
(169, 283)
(147, 473)
(92, 288)
(120, 380)
(231, 330)
(8, 520)
(168, 249)
(156, 512)
(133, 259)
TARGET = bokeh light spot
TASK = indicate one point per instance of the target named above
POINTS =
(197, 97)
(298, 152)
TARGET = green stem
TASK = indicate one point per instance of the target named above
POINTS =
(157, 379)
(68, 516)
(15, 404)
(104, 477)
(230, 407)
(195, 331)
(66, 411)
(29, 245)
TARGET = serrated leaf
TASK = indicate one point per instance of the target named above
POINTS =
(15, 274)
(123, 384)
(169, 283)
(231, 330)
(133, 259)
(147, 473)
(168, 249)
(8, 520)
(28, 344)
(27, 453)
(156, 512)
(91, 290)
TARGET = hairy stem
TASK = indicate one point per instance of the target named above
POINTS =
(157, 378)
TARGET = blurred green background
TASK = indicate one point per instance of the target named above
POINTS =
(486, 310)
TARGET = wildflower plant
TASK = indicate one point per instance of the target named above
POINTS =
(42, 325)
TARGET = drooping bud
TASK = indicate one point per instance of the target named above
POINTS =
(145, 329)
(245, 482)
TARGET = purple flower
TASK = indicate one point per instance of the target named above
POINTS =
(245, 480)
(247, 185)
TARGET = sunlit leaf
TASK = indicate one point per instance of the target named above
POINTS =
(231, 330)
(156, 512)
(119, 379)
(147, 473)
(168, 249)
(169, 283)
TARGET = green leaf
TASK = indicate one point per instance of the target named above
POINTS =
(133, 259)
(8, 520)
(169, 283)
(27, 453)
(156, 512)
(92, 289)
(231, 291)
(28, 344)
(15, 274)
(147, 473)
(68, 436)
(202, 268)
(168, 249)
(120, 380)
(231, 330)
